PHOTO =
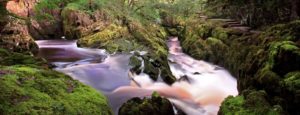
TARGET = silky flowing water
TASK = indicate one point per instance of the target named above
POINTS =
(200, 89)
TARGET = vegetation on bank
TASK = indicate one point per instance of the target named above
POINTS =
(255, 13)
(28, 86)
(266, 62)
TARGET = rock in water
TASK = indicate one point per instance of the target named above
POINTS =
(155, 105)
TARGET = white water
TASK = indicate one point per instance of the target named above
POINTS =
(201, 94)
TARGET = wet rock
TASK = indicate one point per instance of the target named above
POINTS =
(133, 36)
(151, 70)
(155, 105)
(184, 78)
(197, 73)
(136, 64)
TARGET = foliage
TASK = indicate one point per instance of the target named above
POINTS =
(46, 9)
(253, 12)
(253, 103)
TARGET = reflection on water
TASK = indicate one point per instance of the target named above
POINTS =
(200, 89)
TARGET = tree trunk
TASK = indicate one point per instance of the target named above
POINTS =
(294, 9)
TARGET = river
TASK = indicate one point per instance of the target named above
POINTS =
(200, 89)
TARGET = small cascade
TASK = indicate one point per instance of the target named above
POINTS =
(199, 90)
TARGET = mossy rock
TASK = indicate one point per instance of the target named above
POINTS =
(13, 58)
(14, 36)
(114, 38)
(253, 103)
(284, 57)
(134, 36)
(292, 81)
(288, 31)
(27, 90)
(135, 62)
(268, 80)
(155, 105)
(291, 86)
(260, 61)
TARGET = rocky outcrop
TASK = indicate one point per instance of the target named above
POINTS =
(267, 60)
(23, 8)
(15, 36)
(38, 28)
(78, 23)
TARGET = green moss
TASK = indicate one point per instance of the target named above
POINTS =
(275, 48)
(281, 32)
(135, 63)
(268, 80)
(220, 33)
(214, 41)
(3, 53)
(155, 105)
(135, 36)
(232, 105)
(114, 38)
(260, 61)
(292, 81)
(204, 30)
(253, 103)
(13, 58)
(27, 90)
(279, 52)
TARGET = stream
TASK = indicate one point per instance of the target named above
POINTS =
(200, 89)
